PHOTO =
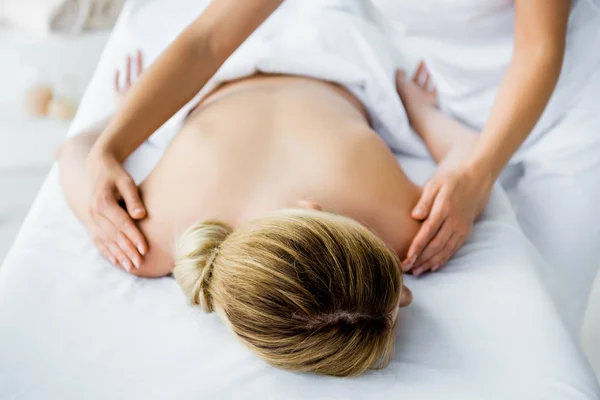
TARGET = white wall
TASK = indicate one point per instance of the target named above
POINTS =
(66, 63)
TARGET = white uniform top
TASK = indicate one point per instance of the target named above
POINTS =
(468, 45)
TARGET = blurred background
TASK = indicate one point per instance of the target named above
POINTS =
(49, 51)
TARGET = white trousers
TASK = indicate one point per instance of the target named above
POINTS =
(555, 187)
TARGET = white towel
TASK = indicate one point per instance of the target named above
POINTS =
(331, 40)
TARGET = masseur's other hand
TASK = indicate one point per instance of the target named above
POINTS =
(114, 231)
(451, 201)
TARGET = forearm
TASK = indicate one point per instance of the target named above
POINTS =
(521, 100)
(181, 72)
(540, 40)
(160, 92)
(448, 140)
(71, 161)
(453, 198)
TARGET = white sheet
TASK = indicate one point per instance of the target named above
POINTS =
(343, 46)
(73, 327)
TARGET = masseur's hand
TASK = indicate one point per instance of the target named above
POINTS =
(114, 231)
(451, 201)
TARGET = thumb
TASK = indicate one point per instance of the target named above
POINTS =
(129, 191)
(400, 77)
(423, 207)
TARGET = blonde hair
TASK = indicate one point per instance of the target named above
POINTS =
(307, 290)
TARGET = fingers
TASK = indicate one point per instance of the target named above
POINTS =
(433, 265)
(121, 251)
(113, 220)
(425, 235)
(426, 81)
(454, 244)
(128, 72)
(129, 249)
(116, 240)
(417, 76)
(423, 79)
(109, 249)
(131, 195)
(433, 222)
(436, 263)
(117, 81)
(438, 259)
(422, 76)
(400, 77)
(119, 254)
(125, 225)
(140, 63)
(444, 246)
(423, 207)
(434, 253)
(121, 257)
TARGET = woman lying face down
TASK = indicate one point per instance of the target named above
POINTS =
(294, 216)
(307, 290)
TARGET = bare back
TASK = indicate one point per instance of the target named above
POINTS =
(265, 143)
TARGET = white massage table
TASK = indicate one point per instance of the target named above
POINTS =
(74, 327)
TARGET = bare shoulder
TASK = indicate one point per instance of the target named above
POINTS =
(158, 261)
(169, 199)
(157, 195)
(171, 203)
(381, 193)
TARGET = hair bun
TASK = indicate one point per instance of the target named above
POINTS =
(195, 255)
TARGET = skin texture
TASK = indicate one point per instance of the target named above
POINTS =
(255, 146)
(173, 80)
(449, 143)
(357, 173)
(453, 198)
(450, 200)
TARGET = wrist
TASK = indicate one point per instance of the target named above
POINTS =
(418, 116)
(106, 149)
(482, 175)
(101, 152)
(416, 109)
